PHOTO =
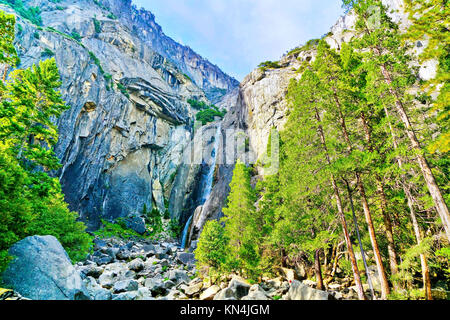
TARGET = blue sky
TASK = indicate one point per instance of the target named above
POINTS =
(237, 35)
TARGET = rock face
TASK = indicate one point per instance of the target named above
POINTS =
(41, 270)
(127, 84)
(260, 105)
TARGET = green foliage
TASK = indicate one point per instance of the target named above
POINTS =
(212, 248)
(31, 201)
(97, 25)
(209, 115)
(175, 228)
(111, 16)
(33, 14)
(117, 229)
(75, 35)
(8, 54)
(47, 53)
(310, 44)
(198, 105)
(154, 220)
(123, 89)
(269, 65)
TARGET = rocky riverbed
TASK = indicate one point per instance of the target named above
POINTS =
(147, 270)
(142, 270)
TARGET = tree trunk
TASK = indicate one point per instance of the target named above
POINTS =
(363, 254)
(423, 260)
(433, 188)
(383, 205)
(367, 214)
(318, 270)
(351, 253)
(376, 250)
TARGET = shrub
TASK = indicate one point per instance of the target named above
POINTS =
(174, 228)
(269, 65)
(76, 36)
(208, 115)
(33, 14)
(116, 229)
(97, 25)
(47, 53)
(212, 248)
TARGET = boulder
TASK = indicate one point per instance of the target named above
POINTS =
(136, 265)
(132, 295)
(123, 254)
(289, 274)
(92, 271)
(193, 289)
(41, 270)
(256, 293)
(179, 276)
(186, 258)
(96, 291)
(300, 291)
(107, 279)
(209, 293)
(136, 223)
(125, 286)
(225, 294)
(156, 286)
(239, 286)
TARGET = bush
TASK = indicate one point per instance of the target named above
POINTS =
(97, 25)
(55, 219)
(269, 65)
(198, 105)
(47, 53)
(76, 36)
(116, 229)
(33, 14)
(212, 248)
(208, 115)
(174, 228)
(153, 219)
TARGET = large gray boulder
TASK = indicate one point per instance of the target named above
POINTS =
(41, 270)
(300, 291)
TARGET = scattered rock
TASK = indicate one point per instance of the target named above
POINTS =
(256, 293)
(300, 291)
(186, 258)
(136, 265)
(193, 289)
(209, 293)
(125, 286)
(179, 276)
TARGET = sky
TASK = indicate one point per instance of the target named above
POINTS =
(237, 35)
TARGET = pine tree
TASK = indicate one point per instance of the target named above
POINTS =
(389, 63)
(31, 201)
(241, 223)
(212, 249)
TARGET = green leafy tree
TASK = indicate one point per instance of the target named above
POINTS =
(31, 200)
(242, 223)
(213, 248)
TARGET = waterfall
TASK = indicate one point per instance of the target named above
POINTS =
(185, 233)
(209, 177)
(207, 187)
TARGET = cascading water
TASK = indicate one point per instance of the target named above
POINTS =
(209, 177)
(207, 188)
(185, 233)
